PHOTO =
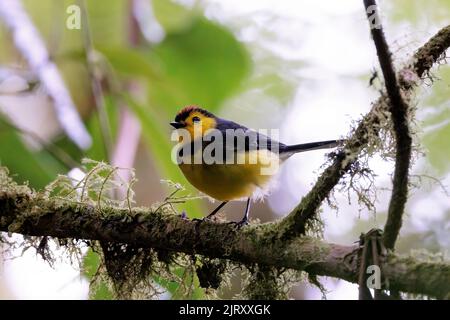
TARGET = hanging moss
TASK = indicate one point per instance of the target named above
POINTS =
(210, 273)
(269, 283)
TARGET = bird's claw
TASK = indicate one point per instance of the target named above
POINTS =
(239, 224)
(200, 220)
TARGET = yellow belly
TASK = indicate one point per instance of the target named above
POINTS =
(233, 181)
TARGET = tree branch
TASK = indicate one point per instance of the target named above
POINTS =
(28, 213)
(399, 112)
(424, 58)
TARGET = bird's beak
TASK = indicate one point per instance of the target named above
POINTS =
(177, 125)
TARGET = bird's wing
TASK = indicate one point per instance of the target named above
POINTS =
(239, 138)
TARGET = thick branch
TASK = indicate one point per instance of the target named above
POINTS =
(28, 213)
(399, 111)
(295, 223)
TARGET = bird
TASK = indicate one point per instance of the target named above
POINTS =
(226, 160)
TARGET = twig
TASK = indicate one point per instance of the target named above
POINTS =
(399, 111)
(97, 90)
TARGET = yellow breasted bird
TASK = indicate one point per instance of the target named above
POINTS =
(240, 160)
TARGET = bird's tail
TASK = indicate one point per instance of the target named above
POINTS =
(295, 148)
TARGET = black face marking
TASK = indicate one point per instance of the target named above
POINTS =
(195, 119)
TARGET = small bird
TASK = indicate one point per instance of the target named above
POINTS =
(244, 160)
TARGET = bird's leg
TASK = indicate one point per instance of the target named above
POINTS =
(244, 220)
(216, 210)
(213, 212)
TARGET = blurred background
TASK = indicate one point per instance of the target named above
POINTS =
(102, 80)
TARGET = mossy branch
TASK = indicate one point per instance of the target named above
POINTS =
(409, 77)
(34, 214)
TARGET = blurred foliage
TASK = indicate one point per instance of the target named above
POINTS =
(203, 64)
(437, 124)
(173, 17)
(98, 149)
(36, 168)
(435, 106)
(91, 262)
(417, 11)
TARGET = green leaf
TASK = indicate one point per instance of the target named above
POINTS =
(91, 263)
(202, 65)
(108, 23)
(127, 61)
(98, 150)
(38, 168)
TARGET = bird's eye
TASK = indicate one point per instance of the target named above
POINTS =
(195, 119)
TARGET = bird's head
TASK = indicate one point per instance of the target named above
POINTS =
(194, 118)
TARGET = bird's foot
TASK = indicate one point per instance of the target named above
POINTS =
(239, 224)
(200, 220)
